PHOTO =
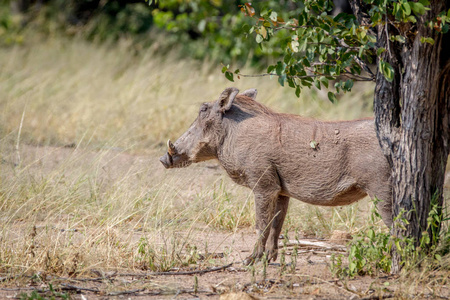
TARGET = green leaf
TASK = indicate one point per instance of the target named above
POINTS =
(417, 8)
(352, 267)
(281, 79)
(400, 38)
(332, 97)
(427, 40)
(411, 19)
(348, 85)
(360, 52)
(297, 91)
(317, 83)
(229, 76)
(380, 50)
(287, 58)
(324, 81)
(280, 68)
(387, 70)
(397, 244)
(406, 8)
(305, 82)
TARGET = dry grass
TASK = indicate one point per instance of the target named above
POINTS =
(81, 127)
(69, 91)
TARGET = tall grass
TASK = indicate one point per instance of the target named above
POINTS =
(81, 127)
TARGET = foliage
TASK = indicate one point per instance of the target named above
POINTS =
(321, 47)
(371, 248)
(370, 251)
(201, 29)
(428, 249)
(216, 29)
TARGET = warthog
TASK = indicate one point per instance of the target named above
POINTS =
(280, 156)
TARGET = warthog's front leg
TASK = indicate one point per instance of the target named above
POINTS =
(265, 204)
(275, 229)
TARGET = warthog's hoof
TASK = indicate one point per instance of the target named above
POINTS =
(271, 255)
(249, 261)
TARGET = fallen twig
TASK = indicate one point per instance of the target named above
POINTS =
(78, 288)
(374, 297)
(176, 273)
(318, 244)
(125, 292)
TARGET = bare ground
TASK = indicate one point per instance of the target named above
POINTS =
(216, 274)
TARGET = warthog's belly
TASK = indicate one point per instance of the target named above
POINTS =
(330, 197)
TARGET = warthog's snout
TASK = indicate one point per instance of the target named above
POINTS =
(174, 158)
(166, 160)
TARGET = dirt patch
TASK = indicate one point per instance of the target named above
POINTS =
(217, 273)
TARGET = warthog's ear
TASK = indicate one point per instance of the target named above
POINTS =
(251, 93)
(226, 98)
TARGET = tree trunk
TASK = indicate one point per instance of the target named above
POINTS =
(412, 119)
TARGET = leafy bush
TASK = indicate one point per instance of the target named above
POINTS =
(370, 251)
(371, 248)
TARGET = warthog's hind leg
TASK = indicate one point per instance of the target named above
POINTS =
(385, 209)
(383, 191)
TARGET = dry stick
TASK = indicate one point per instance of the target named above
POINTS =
(77, 288)
(63, 287)
(177, 273)
(99, 279)
(125, 292)
(317, 244)
(374, 297)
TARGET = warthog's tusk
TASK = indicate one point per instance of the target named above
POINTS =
(171, 148)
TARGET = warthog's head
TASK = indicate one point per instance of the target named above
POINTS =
(201, 140)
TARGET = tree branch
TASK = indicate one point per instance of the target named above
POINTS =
(345, 73)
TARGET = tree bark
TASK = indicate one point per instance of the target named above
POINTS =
(412, 119)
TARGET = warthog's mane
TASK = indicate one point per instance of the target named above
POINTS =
(253, 107)
(249, 105)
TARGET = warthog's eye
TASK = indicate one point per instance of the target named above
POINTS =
(204, 108)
